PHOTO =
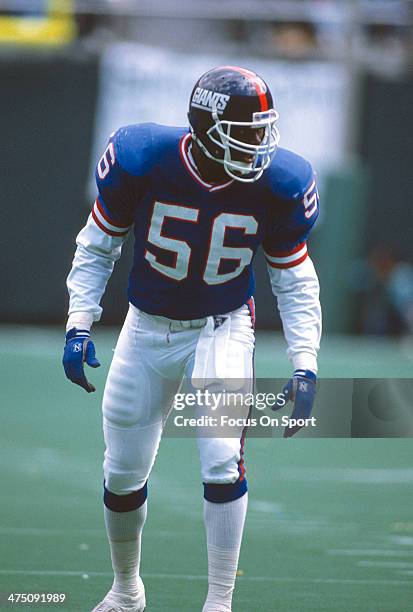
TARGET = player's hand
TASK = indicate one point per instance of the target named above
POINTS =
(301, 390)
(79, 349)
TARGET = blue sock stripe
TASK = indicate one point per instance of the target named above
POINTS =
(221, 493)
(125, 503)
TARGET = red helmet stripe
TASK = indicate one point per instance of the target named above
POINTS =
(258, 83)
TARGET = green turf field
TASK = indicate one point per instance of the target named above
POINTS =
(330, 523)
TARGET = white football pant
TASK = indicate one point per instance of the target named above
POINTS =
(152, 356)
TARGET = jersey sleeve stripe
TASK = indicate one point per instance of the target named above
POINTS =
(291, 258)
(104, 226)
(103, 215)
(289, 264)
(297, 249)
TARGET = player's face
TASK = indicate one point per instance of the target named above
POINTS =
(213, 171)
(248, 135)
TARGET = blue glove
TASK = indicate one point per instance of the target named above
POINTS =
(79, 349)
(301, 390)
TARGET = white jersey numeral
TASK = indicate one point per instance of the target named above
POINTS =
(182, 251)
(310, 200)
(180, 248)
(218, 251)
(106, 161)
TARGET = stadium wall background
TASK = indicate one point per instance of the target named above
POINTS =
(47, 118)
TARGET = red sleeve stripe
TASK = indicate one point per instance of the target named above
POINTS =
(292, 258)
(291, 264)
(104, 225)
(104, 229)
(107, 219)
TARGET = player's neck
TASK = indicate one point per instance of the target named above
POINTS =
(209, 171)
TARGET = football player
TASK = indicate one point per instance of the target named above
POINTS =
(199, 201)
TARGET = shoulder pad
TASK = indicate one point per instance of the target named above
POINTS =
(133, 148)
(140, 146)
(289, 175)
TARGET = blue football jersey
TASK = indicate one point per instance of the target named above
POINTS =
(195, 242)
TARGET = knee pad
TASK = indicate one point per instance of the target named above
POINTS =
(129, 456)
(124, 483)
(221, 460)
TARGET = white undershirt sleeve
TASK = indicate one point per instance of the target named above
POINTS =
(297, 293)
(92, 266)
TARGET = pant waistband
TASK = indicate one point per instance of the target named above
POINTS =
(172, 325)
(175, 325)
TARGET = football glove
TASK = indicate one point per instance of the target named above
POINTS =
(79, 349)
(301, 390)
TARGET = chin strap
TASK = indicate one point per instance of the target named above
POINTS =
(191, 158)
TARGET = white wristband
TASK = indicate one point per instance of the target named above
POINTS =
(304, 361)
(81, 320)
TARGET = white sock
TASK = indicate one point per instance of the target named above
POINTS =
(124, 530)
(224, 524)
